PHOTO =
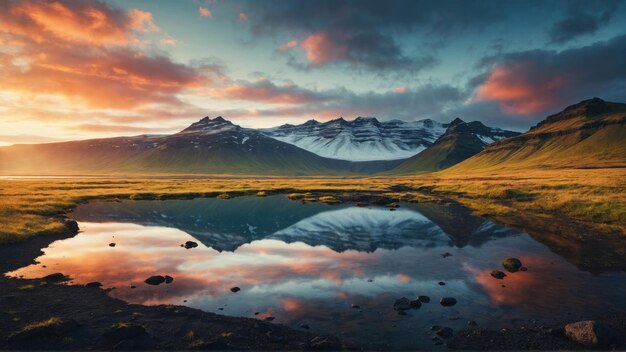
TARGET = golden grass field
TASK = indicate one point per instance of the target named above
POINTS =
(593, 198)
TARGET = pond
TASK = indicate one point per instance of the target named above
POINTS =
(332, 269)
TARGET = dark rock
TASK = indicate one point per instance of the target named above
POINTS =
(523, 268)
(402, 304)
(257, 313)
(133, 286)
(274, 336)
(71, 225)
(190, 244)
(441, 283)
(235, 289)
(447, 301)
(94, 284)
(270, 318)
(305, 326)
(415, 304)
(356, 306)
(168, 279)
(124, 331)
(498, 274)
(512, 264)
(472, 323)
(56, 277)
(424, 299)
(446, 254)
(111, 244)
(155, 280)
(590, 333)
(444, 332)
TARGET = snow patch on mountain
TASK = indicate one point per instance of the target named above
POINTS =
(363, 139)
(365, 229)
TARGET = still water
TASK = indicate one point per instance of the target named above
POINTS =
(308, 264)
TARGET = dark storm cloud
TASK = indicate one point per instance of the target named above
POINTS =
(365, 33)
(292, 101)
(583, 18)
(534, 83)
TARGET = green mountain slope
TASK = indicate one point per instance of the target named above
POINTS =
(590, 134)
(460, 141)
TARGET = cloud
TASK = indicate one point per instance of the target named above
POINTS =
(583, 18)
(292, 101)
(168, 41)
(321, 49)
(287, 45)
(204, 12)
(365, 34)
(243, 16)
(72, 21)
(142, 21)
(84, 52)
(400, 89)
(532, 83)
(268, 92)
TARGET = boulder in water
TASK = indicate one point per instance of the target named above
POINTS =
(512, 264)
(155, 280)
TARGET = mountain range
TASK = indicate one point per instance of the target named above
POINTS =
(590, 134)
(367, 139)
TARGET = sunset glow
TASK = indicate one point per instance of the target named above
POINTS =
(75, 70)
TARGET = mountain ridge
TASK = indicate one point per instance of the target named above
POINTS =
(590, 133)
(460, 141)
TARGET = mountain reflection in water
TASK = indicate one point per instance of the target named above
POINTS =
(308, 263)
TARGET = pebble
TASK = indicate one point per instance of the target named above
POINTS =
(447, 301)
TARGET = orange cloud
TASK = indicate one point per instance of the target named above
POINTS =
(204, 12)
(142, 21)
(400, 89)
(243, 16)
(321, 49)
(83, 22)
(510, 86)
(82, 51)
(288, 45)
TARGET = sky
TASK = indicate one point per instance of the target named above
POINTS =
(74, 69)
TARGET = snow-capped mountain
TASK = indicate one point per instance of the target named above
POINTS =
(362, 139)
(365, 229)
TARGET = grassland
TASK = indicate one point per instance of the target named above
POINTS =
(593, 198)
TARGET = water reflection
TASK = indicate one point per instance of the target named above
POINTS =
(310, 263)
(226, 225)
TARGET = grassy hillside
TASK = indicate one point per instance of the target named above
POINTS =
(591, 134)
(458, 143)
